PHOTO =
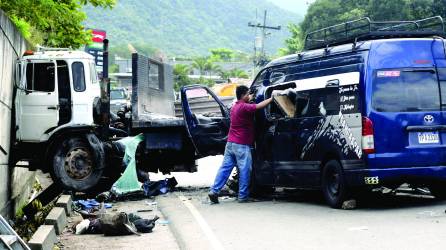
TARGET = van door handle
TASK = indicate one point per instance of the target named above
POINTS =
(52, 107)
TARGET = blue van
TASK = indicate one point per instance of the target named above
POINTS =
(363, 106)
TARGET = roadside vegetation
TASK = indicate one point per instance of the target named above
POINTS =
(52, 23)
(324, 13)
(209, 66)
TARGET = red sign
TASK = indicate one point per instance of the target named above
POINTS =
(98, 35)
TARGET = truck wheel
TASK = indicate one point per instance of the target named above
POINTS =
(76, 166)
(333, 184)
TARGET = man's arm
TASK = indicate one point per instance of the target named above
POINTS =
(264, 103)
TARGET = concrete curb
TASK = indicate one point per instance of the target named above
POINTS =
(65, 202)
(43, 239)
(57, 218)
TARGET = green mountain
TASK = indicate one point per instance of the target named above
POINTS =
(191, 27)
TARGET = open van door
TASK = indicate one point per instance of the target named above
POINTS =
(206, 119)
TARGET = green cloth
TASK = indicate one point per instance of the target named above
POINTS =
(128, 182)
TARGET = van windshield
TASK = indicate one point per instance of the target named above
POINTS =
(405, 91)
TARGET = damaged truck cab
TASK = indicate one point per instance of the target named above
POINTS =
(57, 94)
(362, 107)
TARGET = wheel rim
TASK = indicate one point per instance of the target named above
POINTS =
(78, 163)
(333, 183)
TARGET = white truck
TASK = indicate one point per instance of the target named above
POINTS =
(57, 111)
(60, 122)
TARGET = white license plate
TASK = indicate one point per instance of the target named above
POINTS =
(428, 137)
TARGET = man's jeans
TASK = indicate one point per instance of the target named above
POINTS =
(235, 155)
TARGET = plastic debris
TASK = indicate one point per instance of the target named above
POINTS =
(82, 226)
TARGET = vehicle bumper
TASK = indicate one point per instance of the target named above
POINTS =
(379, 177)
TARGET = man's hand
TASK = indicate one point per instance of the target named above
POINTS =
(264, 103)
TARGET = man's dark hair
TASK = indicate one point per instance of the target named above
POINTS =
(240, 91)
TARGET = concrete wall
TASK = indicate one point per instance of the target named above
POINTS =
(14, 183)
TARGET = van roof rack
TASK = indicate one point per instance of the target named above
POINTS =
(366, 29)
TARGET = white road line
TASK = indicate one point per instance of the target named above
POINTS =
(215, 243)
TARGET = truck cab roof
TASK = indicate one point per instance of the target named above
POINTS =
(59, 54)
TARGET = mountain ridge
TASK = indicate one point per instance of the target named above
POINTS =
(191, 27)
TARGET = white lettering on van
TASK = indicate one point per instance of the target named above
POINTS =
(349, 135)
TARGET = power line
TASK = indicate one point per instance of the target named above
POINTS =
(260, 41)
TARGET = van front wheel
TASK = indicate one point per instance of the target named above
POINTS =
(333, 184)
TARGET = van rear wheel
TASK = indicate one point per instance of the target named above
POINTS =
(75, 165)
(333, 184)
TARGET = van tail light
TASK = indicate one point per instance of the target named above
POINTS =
(368, 143)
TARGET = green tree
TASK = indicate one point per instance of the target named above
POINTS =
(181, 76)
(293, 43)
(55, 23)
(201, 64)
(222, 54)
(324, 13)
(234, 73)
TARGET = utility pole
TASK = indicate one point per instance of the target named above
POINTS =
(260, 41)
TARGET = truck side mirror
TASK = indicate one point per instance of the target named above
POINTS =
(18, 76)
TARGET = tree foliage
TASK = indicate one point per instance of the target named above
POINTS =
(324, 13)
(189, 28)
(55, 23)
(234, 73)
(181, 76)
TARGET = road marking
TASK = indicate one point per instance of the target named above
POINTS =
(215, 243)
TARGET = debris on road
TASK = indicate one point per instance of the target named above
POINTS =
(349, 204)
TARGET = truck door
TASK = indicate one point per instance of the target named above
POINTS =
(206, 119)
(37, 100)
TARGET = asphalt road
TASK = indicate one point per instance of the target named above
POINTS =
(299, 220)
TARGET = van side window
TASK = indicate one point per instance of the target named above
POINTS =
(259, 80)
(277, 77)
(78, 76)
(40, 77)
(317, 102)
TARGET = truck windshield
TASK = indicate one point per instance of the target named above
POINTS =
(405, 91)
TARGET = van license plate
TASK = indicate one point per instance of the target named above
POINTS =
(428, 137)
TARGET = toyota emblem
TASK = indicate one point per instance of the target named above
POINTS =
(428, 119)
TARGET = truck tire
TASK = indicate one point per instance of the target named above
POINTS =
(333, 184)
(78, 163)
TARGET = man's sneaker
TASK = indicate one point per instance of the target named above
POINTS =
(213, 198)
